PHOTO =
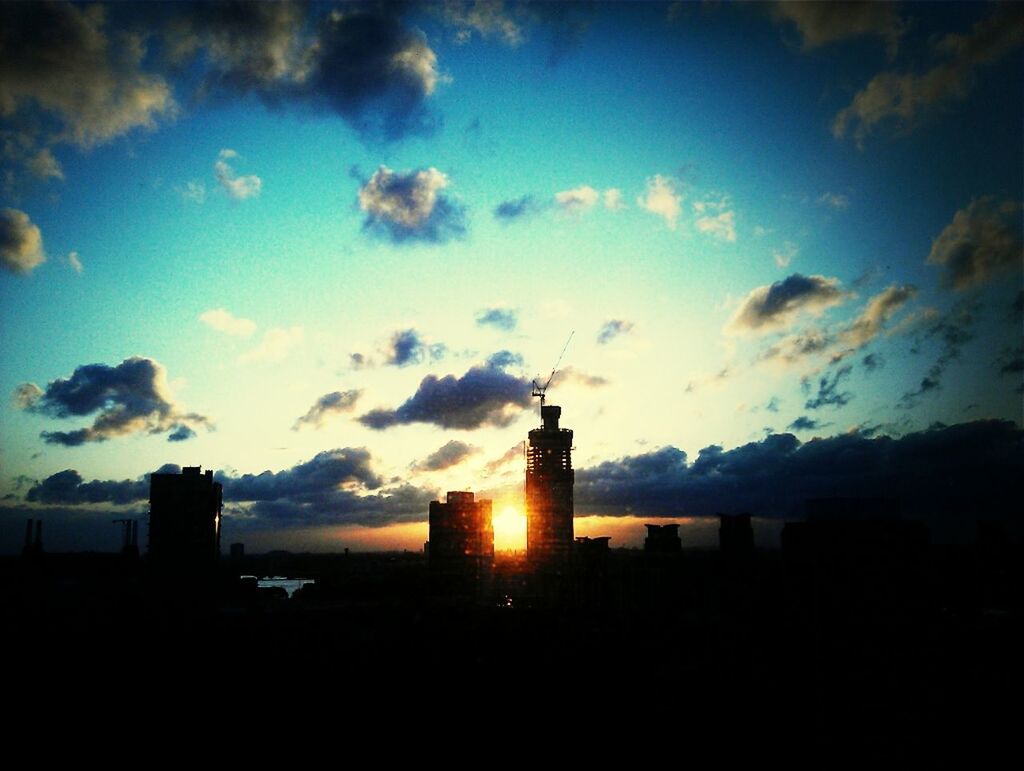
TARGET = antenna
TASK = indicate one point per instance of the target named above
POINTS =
(539, 390)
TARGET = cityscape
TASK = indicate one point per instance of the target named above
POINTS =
(625, 370)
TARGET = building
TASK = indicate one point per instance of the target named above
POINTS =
(663, 539)
(184, 517)
(461, 551)
(549, 482)
(735, 536)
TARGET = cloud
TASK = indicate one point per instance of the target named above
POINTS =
(900, 98)
(578, 199)
(661, 199)
(239, 188)
(130, 398)
(333, 403)
(181, 433)
(276, 344)
(410, 206)
(407, 347)
(793, 349)
(483, 396)
(226, 322)
(516, 452)
(21, 243)
(367, 67)
(572, 375)
(42, 165)
(1011, 361)
(194, 191)
(613, 199)
(772, 307)
(873, 361)
(451, 454)
(835, 200)
(829, 394)
(68, 487)
(953, 330)
(503, 359)
(876, 314)
(75, 263)
(516, 208)
(502, 318)
(613, 328)
(329, 471)
(785, 255)
(982, 239)
(958, 468)
(716, 219)
(773, 404)
(59, 68)
(804, 423)
(820, 24)
(486, 18)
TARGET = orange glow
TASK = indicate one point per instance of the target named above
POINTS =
(509, 528)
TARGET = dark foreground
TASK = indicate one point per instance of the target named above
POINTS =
(909, 656)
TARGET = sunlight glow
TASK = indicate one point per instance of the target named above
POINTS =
(509, 528)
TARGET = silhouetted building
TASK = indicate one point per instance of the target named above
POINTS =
(129, 537)
(33, 545)
(549, 483)
(461, 551)
(662, 539)
(735, 536)
(184, 517)
(237, 551)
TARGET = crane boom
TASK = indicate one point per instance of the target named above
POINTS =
(539, 390)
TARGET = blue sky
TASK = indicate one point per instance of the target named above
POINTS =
(786, 219)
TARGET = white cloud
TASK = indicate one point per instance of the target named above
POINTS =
(21, 243)
(835, 200)
(193, 191)
(661, 199)
(75, 262)
(277, 343)
(613, 199)
(404, 200)
(716, 219)
(785, 255)
(578, 199)
(239, 188)
(226, 322)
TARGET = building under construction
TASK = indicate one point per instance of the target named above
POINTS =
(184, 517)
(549, 482)
(461, 545)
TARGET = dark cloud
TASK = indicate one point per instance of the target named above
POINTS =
(1011, 361)
(407, 347)
(327, 405)
(828, 390)
(132, 397)
(358, 360)
(68, 487)
(180, 433)
(872, 362)
(516, 452)
(517, 208)
(410, 206)
(451, 454)
(982, 239)
(484, 396)
(403, 503)
(1017, 307)
(953, 330)
(793, 349)
(804, 423)
(503, 359)
(771, 307)
(955, 467)
(773, 404)
(502, 318)
(21, 243)
(328, 472)
(612, 329)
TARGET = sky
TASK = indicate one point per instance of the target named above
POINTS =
(324, 250)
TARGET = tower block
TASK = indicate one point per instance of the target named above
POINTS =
(549, 483)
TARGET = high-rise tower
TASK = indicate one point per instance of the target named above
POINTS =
(549, 481)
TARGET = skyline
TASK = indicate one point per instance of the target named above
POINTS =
(325, 253)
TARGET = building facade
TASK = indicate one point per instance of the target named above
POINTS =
(549, 493)
(461, 546)
(184, 517)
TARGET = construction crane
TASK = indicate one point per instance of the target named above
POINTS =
(540, 390)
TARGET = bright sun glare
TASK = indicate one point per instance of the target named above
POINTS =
(509, 528)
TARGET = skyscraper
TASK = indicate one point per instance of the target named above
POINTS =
(184, 517)
(461, 545)
(549, 483)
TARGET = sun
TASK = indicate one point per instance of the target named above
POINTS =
(509, 528)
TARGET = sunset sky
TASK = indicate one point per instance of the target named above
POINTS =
(323, 250)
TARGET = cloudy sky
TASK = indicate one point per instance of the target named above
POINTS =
(323, 249)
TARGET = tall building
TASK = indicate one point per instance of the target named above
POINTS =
(184, 517)
(461, 545)
(549, 481)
